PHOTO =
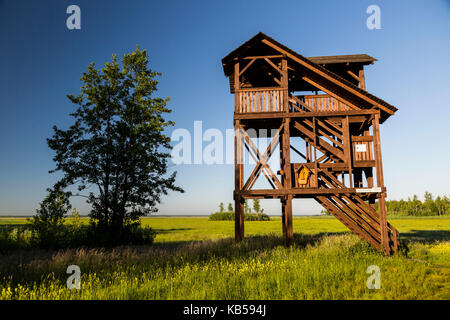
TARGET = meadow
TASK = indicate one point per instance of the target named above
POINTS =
(193, 258)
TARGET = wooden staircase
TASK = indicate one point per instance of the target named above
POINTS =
(357, 215)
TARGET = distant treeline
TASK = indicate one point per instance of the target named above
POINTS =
(229, 215)
(431, 206)
(414, 207)
(257, 215)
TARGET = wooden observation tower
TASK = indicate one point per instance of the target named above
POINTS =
(327, 130)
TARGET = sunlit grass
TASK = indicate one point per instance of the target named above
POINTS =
(194, 258)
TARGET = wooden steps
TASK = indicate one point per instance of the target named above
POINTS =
(357, 215)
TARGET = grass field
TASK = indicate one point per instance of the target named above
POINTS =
(194, 258)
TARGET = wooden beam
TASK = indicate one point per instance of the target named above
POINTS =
(347, 148)
(330, 114)
(247, 66)
(362, 80)
(353, 75)
(303, 104)
(263, 161)
(308, 192)
(263, 57)
(236, 87)
(258, 172)
(298, 152)
(273, 65)
(285, 84)
(325, 145)
(255, 173)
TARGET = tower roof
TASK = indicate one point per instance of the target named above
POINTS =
(262, 44)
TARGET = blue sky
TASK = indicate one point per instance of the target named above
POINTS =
(41, 61)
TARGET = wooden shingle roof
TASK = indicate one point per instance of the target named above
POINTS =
(363, 59)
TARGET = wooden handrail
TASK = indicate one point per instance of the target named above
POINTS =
(262, 89)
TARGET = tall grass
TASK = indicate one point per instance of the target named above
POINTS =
(261, 267)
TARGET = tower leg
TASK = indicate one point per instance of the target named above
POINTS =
(238, 219)
(238, 182)
(383, 224)
(288, 230)
(283, 216)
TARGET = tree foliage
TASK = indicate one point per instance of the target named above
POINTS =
(116, 149)
(48, 223)
(414, 207)
(257, 206)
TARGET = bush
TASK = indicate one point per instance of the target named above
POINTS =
(256, 217)
(222, 216)
(16, 237)
(229, 216)
(48, 223)
(72, 236)
(48, 230)
(132, 234)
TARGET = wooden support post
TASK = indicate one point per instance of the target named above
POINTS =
(287, 183)
(380, 183)
(368, 172)
(288, 220)
(236, 88)
(238, 164)
(316, 183)
(283, 216)
(283, 181)
(348, 149)
(362, 80)
(284, 84)
(358, 178)
(238, 182)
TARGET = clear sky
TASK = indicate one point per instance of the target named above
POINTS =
(41, 61)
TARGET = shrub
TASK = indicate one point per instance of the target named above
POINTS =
(229, 216)
(48, 223)
(49, 230)
(16, 237)
(256, 217)
(72, 236)
(131, 234)
(222, 216)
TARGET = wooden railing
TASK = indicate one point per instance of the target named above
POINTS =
(271, 100)
(261, 100)
(320, 103)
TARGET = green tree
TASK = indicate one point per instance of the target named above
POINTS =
(230, 207)
(256, 206)
(221, 208)
(429, 204)
(414, 206)
(442, 205)
(116, 148)
(49, 219)
(53, 209)
(247, 209)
